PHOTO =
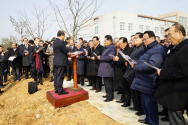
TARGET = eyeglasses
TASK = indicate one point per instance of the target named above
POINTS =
(169, 35)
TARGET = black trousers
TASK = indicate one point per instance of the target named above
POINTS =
(80, 79)
(90, 80)
(97, 82)
(176, 117)
(8, 68)
(39, 74)
(26, 70)
(16, 72)
(136, 98)
(69, 70)
(5, 76)
(44, 68)
(31, 72)
(108, 82)
(1, 80)
(59, 77)
(165, 111)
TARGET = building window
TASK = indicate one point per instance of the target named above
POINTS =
(182, 21)
(141, 28)
(156, 30)
(147, 28)
(130, 27)
(122, 26)
(96, 28)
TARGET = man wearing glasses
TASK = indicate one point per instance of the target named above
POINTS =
(172, 91)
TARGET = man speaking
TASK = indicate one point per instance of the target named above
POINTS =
(60, 62)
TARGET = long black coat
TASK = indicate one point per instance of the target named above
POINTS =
(33, 59)
(172, 91)
(120, 68)
(17, 61)
(89, 63)
(25, 59)
(95, 63)
(80, 62)
(2, 59)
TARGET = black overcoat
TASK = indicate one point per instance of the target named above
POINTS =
(172, 91)
(17, 61)
(25, 59)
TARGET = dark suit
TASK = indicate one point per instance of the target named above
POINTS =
(16, 63)
(2, 59)
(60, 62)
(70, 63)
(25, 59)
(6, 56)
(35, 72)
(96, 80)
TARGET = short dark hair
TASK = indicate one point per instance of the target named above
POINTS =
(41, 41)
(81, 38)
(25, 38)
(124, 39)
(60, 32)
(84, 41)
(132, 35)
(167, 29)
(162, 41)
(68, 38)
(1, 46)
(31, 41)
(97, 38)
(90, 40)
(179, 27)
(140, 34)
(150, 34)
(108, 37)
(36, 38)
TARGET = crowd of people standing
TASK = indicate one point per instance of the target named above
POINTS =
(166, 83)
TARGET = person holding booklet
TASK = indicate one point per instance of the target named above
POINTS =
(137, 52)
(146, 78)
(119, 82)
(172, 91)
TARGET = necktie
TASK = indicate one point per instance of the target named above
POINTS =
(71, 49)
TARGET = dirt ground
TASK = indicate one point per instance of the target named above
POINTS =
(17, 107)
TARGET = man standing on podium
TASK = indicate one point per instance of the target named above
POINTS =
(60, 62)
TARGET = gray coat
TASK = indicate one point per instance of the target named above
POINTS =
(106, 67)
(80, 62)
(25, 59)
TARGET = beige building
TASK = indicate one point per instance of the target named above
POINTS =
(178, 16)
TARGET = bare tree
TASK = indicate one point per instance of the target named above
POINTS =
(19, 27)
(6, 42)
(79, 13)
(39, 25)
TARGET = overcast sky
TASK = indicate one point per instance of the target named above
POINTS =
(145, 7)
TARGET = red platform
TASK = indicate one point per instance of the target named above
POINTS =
(63, 100)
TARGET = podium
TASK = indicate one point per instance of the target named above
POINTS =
(76, 93)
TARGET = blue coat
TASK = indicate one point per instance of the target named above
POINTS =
(80, 62)
(106, 67)
(146, 78)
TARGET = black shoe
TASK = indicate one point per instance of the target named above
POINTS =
(51, 79)
(56, 91)
(1, 91)
(104, 96)
(162, 113)
(63, 93)
(45, 76)
(41, 83)
(108, 100)
(9, 74)
(132, 109)
(89, 85)
(120, 101)
(2, 86)
(82, 84)
(125, 105)
(119, 92)
(92, 89)
(165, 119)
(143, 121)
(97, 91)
(15, 80)
(26, 77)
(5, 80)
(68, 79)
(139, 113)
(19, 79)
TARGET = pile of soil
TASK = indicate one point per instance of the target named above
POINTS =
(17, 107)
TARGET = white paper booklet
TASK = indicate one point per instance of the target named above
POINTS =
(11, 58)
(126, 57)
(151, 66)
